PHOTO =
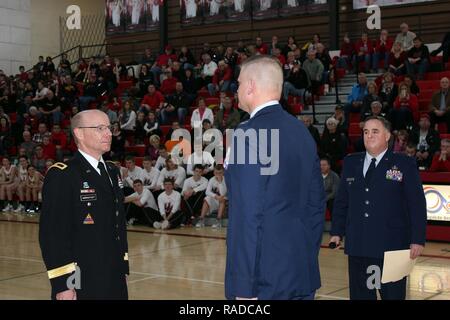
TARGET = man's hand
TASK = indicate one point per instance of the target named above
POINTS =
(337, 240)
(416, 250)
(67, 295)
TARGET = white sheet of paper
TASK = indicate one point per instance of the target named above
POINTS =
(397, 265)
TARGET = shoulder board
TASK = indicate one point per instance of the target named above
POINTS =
(59, 165)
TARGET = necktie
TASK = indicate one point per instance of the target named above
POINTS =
(104, 173)
(371, 169)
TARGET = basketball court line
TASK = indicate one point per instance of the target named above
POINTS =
(212, 237)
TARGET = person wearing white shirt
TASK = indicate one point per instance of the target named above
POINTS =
(194, 193)
(132, 173)
(200, 114)
(163, 156)
(208, 70)
(142, 204)
(174, 172)
(200, 157)
(150, 175)
(169, 207)
(216, 197)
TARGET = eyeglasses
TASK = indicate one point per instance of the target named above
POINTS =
(100, 129)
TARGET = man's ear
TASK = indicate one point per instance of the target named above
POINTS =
(79, 134)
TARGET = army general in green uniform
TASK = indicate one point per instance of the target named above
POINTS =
(82, 229)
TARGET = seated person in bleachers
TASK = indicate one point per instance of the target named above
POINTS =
(175, 126)
(346, 54)
(117, 142)
(169, 83)
(38, 161)
(68, 93)
(8, 184)
(152, 150)
(287, 67)
(190, 85)
(59, 140)
(178, 105)
(406, 109)
(444, 48)
(314, 69)
(132, 172)
(42, 132)
(364, 51)
(127, 119)
(441, 161)
(169, 208)
(22, 174)
(49, 148)
(216, 197)
(371, 96)
(400, 141)
(411, 151)
(381, 51)
(330, 182)
(163, 155)
(139, 132)
(91, 91)
(296, 82)
(324, 57)
(375, 110)
(418, 62)
(208, 69)
(148, 57)
(228, 117)
(201, 157)
(152, 125)
(41, 92)
(356, 97)
(405, 37)
(440, 105)
(186, 58)
(333, 144)
(6, 138)
(397, 60)
(308, 122)
(388, 92)
(172, 171)
(411, 83)
(221, 79)
(142, 205)
(339, 115)
(426, 139)
(200, 114)
(50, 108)
(34, 183)
(152, 101)
(145, 79)
(112, 115)
(150, 175)
(193, 193)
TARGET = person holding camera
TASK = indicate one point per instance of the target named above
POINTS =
(427, 141)
(297, 81)
(406, 109)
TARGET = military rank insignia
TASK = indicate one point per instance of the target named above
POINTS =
(394, 174)
(88, 220)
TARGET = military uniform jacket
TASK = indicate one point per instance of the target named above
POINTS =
(83, 225)
(389, 213)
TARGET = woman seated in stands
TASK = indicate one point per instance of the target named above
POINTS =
(145, 78)
(397, 59)
(406, 109)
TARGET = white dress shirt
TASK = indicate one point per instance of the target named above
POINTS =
(94, 162)
(265, 105)
(368, 160)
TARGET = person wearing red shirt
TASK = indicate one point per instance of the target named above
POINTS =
(221, 79)
(164, 60)
(49, 149)
(169, 84)
(261, 47)
(153, 100)
(277, 54)
(397, 59)
(364, 51)
(382, 49)
(59, 139)
(23, 76)
(346, 54)
(406, 109)
(441, 160)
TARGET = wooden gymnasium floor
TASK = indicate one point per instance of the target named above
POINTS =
(189, 264)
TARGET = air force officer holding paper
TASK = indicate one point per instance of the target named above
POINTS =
(276, 196)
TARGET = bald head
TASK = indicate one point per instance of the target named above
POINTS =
(84, 118)
(266, 73)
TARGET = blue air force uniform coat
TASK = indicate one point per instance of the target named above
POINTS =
(275, 221)
(389, 213)
(83, 225)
